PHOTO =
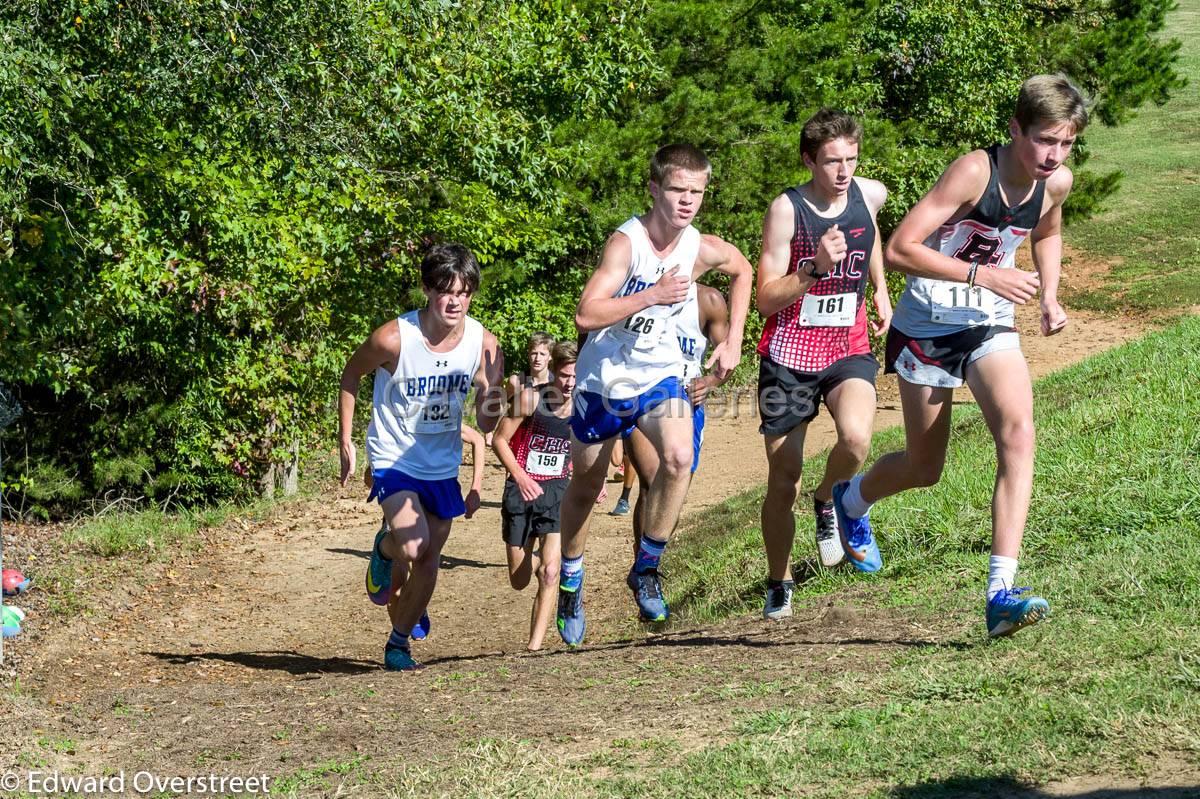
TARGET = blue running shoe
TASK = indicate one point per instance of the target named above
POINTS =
(420, 630)
(857, 540)
(1008, 612)
(398, 659)
(647, 592)
(379, 571)
(621, 509)
(571, 622)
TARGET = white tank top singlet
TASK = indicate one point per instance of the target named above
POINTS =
(416, 415)
(626, 359)
(989, 235)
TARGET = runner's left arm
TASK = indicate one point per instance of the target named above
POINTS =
(718, 254)
(474, 438)
(489, 385)
(875, 194)
(714, 320)
(1046, 245)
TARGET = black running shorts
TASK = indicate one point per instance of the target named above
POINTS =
(942, 361)
(523, 520)
(788, 399)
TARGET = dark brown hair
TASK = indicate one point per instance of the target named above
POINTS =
(446, 264)
(826, 125)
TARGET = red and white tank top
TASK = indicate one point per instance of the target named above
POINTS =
(829, 321)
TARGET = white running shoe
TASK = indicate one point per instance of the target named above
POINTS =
(829, 545)
(779, 601)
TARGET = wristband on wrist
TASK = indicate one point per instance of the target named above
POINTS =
(812, 269)
(971, 274)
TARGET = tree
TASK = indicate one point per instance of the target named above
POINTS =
(207, 205)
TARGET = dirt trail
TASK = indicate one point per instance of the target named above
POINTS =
(262, 654)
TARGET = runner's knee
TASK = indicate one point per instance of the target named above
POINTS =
(548, 575)
(1016, 440)
(925, 472)
(421, 554)
(783, 483)
(857, 443)
(677, 460)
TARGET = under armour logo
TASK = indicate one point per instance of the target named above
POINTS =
(442, 363)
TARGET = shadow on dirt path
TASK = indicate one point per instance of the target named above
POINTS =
(261, 650)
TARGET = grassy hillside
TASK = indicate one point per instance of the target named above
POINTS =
(1110, 683)
(1152, 224)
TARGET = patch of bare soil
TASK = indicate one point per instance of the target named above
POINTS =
(260, 653)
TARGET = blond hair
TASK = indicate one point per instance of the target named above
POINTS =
(539, 339)
(563, 353)
(1051, 99)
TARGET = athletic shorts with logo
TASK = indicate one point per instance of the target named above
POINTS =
(442, 498)
(788, 398)
(524, 520)
(942, 361)
(596, 418)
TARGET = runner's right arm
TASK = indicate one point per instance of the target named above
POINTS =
(598, 307)
(955, 193)
(382, 348)
(776, 288)
(523, 406)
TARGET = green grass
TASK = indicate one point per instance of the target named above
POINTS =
(1111, 683)
(150, 532)
(1118, 444)
(1152, 223)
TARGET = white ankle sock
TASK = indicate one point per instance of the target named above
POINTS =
(1002, 572)
(852, 501)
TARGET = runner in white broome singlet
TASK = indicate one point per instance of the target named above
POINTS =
(626, 359)
(702, 321)
(954, 324)
(630, 369)
(425, 362)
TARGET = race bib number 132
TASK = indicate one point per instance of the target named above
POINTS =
(438, 416)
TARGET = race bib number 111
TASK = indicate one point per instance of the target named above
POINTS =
(959, 304)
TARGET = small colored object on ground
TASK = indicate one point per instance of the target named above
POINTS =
(12, 618)
(14, 582)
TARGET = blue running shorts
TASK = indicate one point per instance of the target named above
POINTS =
(442, 498)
